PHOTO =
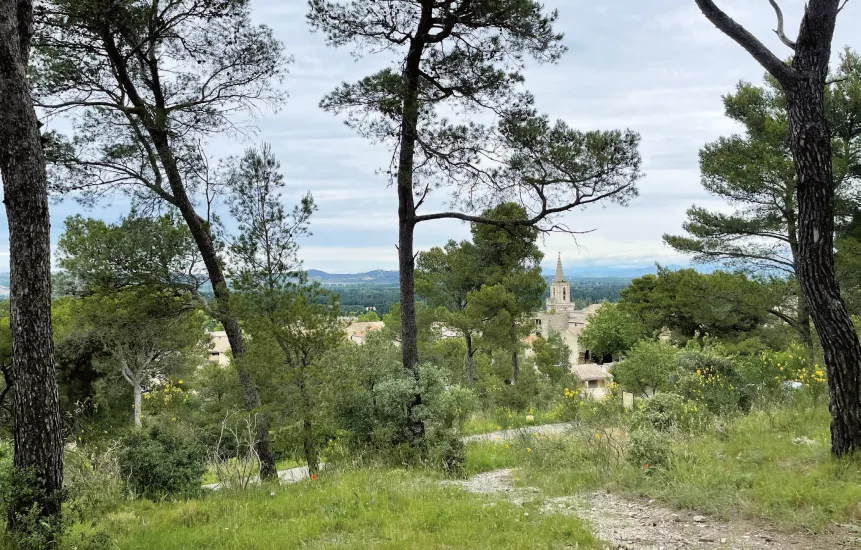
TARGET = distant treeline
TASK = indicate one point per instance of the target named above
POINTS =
(585, 291)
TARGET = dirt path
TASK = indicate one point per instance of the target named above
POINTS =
(502, 435)
(642, 524)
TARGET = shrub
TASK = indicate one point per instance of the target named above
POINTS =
(162, 462)
(712, 381)
(649, 448)
(375, 418)
(92, 477)
(647, 368)
(769, 375)
(664, 412)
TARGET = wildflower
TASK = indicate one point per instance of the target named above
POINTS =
(597, 435)
(173, 419)
(528, 450)
(180, 382)
(506, 445)
(646, 466)
(499, 427)
(313, 476)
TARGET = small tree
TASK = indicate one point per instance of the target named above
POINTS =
(148, 336)
(467, 55)
(278, 306)
(647, 368)
(609, 331)
(804, 82)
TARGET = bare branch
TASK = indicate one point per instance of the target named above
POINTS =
(843, 5)
(727, 25)
(779, 30)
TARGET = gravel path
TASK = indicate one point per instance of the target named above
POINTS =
(291, 475)
(641, 524)
(501, 435)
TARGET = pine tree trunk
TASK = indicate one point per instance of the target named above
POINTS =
(470, 359)
(515, 363)
(138, 392)
(202, 237)
(406, 221)
(35, 404)
(811, 147)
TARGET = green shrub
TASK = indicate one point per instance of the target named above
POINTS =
(93, 480)
(647, 368)
(649, 448)
(375, 419)
(711, 380)
(162, 462)
(664, 412)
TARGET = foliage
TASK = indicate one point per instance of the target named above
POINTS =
(689, 304)
(552, 357)
(712, 380)
(665, 412)
(94, 481)
(413, 510)
(769, 375)
(649, 449)
(647, 368)
(609, 331)
(162, 462)
(369, 317)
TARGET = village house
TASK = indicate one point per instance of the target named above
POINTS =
(219, 347)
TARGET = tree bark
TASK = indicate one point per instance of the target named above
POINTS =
(36, 405)
(312, 458)
(138, 392)
(470, 359)
(811, 146)
(515, 363)
(804, 84)
(407, 218)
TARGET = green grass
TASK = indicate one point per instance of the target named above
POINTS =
(284, 464)
(381, 509)
(749, 467)
(503, 419)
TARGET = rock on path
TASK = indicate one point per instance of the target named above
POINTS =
(642, 524)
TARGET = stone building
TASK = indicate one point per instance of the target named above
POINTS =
(562, 317)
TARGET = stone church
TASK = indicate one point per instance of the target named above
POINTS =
(562, 317)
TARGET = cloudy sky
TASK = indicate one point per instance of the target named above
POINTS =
(658, 67)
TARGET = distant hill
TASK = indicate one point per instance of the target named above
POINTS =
(375, 277)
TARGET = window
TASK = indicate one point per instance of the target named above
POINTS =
(563, 294)
(538, 322)
(214, 354)
(593, 384)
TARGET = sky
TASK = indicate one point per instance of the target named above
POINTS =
(657, 67)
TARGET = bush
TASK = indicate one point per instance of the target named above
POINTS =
(93, 480)
(769, 375)
(162, 462)
(649, 448)
(664, 412)
(375, 418)
(647, 368)
(712, 381)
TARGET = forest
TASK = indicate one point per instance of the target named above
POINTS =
(177, 378)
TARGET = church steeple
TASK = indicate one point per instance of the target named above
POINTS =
(560, 277)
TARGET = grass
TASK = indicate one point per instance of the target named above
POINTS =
(374, 508)
(747, 467)
(284, 464)
(504, 419)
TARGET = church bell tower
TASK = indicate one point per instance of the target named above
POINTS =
(560, 289)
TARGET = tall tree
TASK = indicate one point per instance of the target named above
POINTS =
(755, 174)
(147, 81)
(609, 331)
(804, 82)
(36, 405)
(467, 55)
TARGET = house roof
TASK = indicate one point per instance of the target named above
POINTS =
(591, 371)
(361, 329)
